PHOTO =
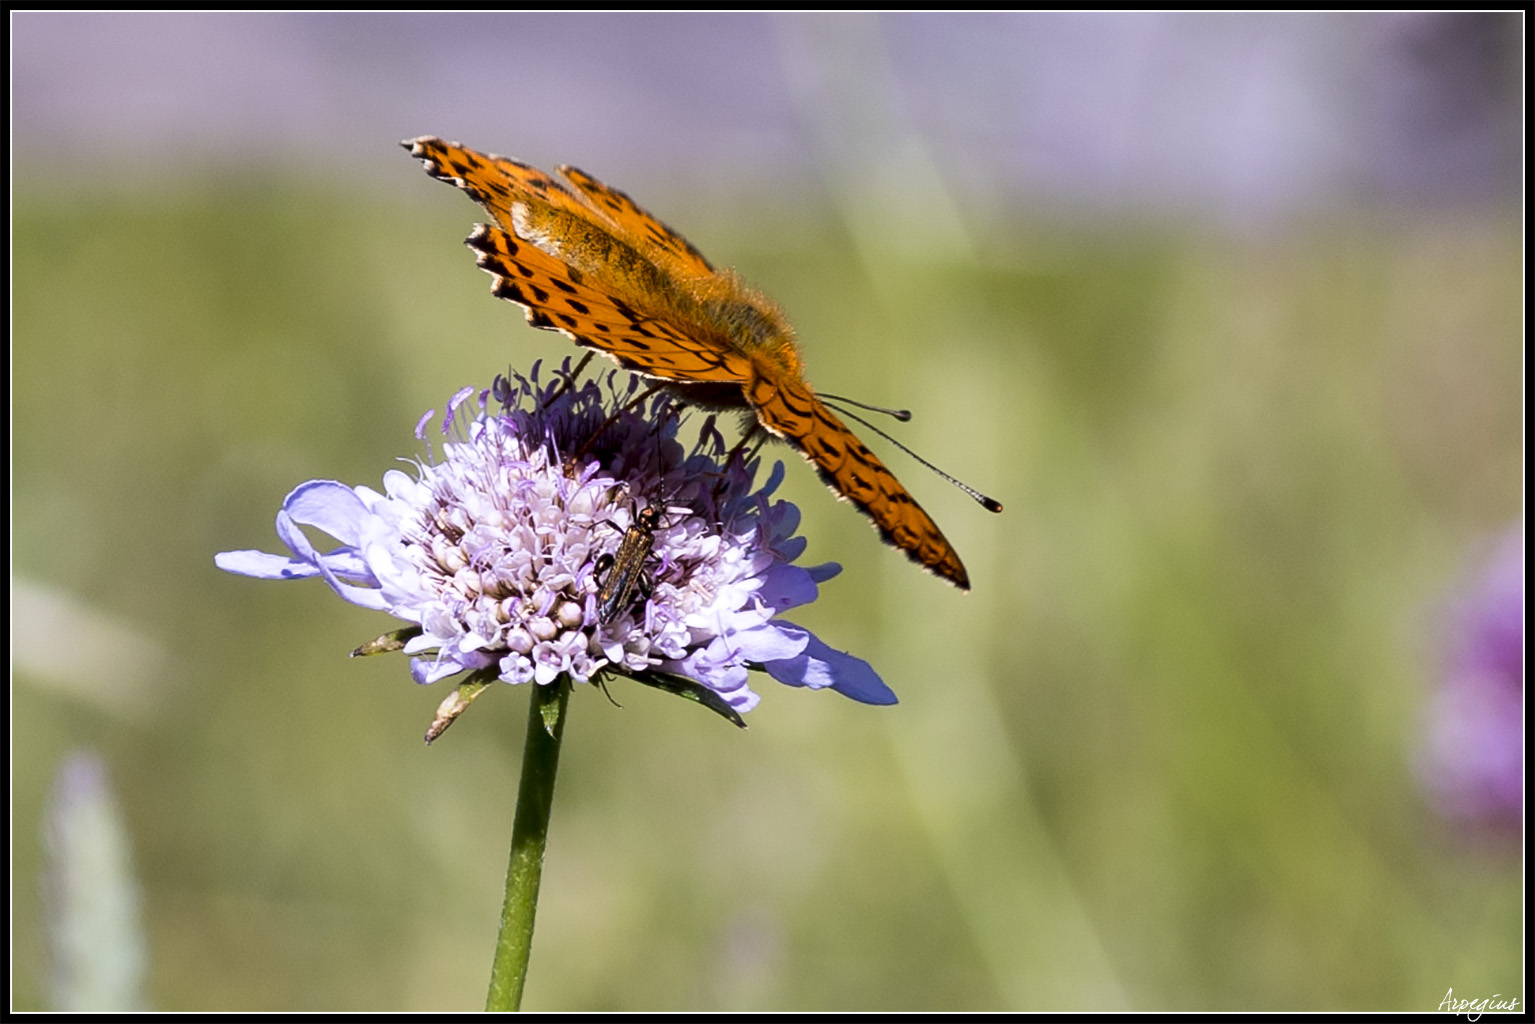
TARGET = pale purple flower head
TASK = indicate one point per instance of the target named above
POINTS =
(495, 550)
(1473, 757)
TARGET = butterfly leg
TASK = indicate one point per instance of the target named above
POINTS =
(570, 381)
(629, 407)
(755, 438)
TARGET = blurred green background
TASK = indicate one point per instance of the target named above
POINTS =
(1160, 758)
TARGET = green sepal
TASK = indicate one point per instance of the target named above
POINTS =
(394, 640)
(549, 704)
(458, 702)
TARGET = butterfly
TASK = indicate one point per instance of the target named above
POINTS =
(584, 259)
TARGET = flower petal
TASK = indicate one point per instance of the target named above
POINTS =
(263, 566)
(823, 572)
(329, 506)
(773, 641)
(787, 586)
(821, 666)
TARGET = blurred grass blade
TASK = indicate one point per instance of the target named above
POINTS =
(91, 897)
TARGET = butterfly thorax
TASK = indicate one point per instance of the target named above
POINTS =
(752, 323)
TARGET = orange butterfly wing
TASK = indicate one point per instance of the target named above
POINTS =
(558, 297)
(586, 260)
(658, 239)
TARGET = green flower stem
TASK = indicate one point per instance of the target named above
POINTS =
(530, 834)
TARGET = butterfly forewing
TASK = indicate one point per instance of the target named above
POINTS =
(495, 182)
(585, 259)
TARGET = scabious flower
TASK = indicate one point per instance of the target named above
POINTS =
(1473, 757)
(494, 551)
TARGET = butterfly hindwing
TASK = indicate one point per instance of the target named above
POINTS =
(642, 229)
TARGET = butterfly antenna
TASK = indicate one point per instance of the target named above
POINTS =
(901, 415)
(989, 504)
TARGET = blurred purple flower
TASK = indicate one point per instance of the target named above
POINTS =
(495, 551)
(1473, 757)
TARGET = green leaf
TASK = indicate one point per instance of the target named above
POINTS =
(689, 688)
